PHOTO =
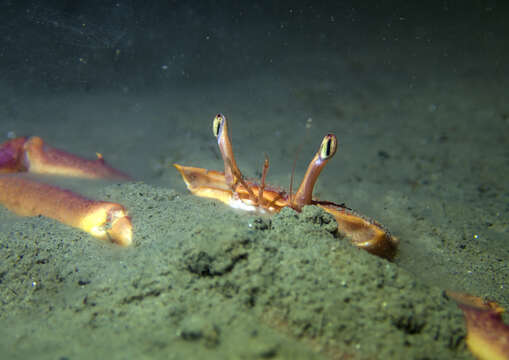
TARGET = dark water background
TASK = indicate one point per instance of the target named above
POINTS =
(415, 92)
(53, 46)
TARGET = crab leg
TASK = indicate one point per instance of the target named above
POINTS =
(103, 220)
(33, 155)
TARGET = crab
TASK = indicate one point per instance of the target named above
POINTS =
(233, 189)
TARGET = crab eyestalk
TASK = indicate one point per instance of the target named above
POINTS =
(220, 130)
(304, 194)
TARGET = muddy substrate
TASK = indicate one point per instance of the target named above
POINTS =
(204, 281)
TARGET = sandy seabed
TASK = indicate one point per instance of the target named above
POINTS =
(205, 281)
